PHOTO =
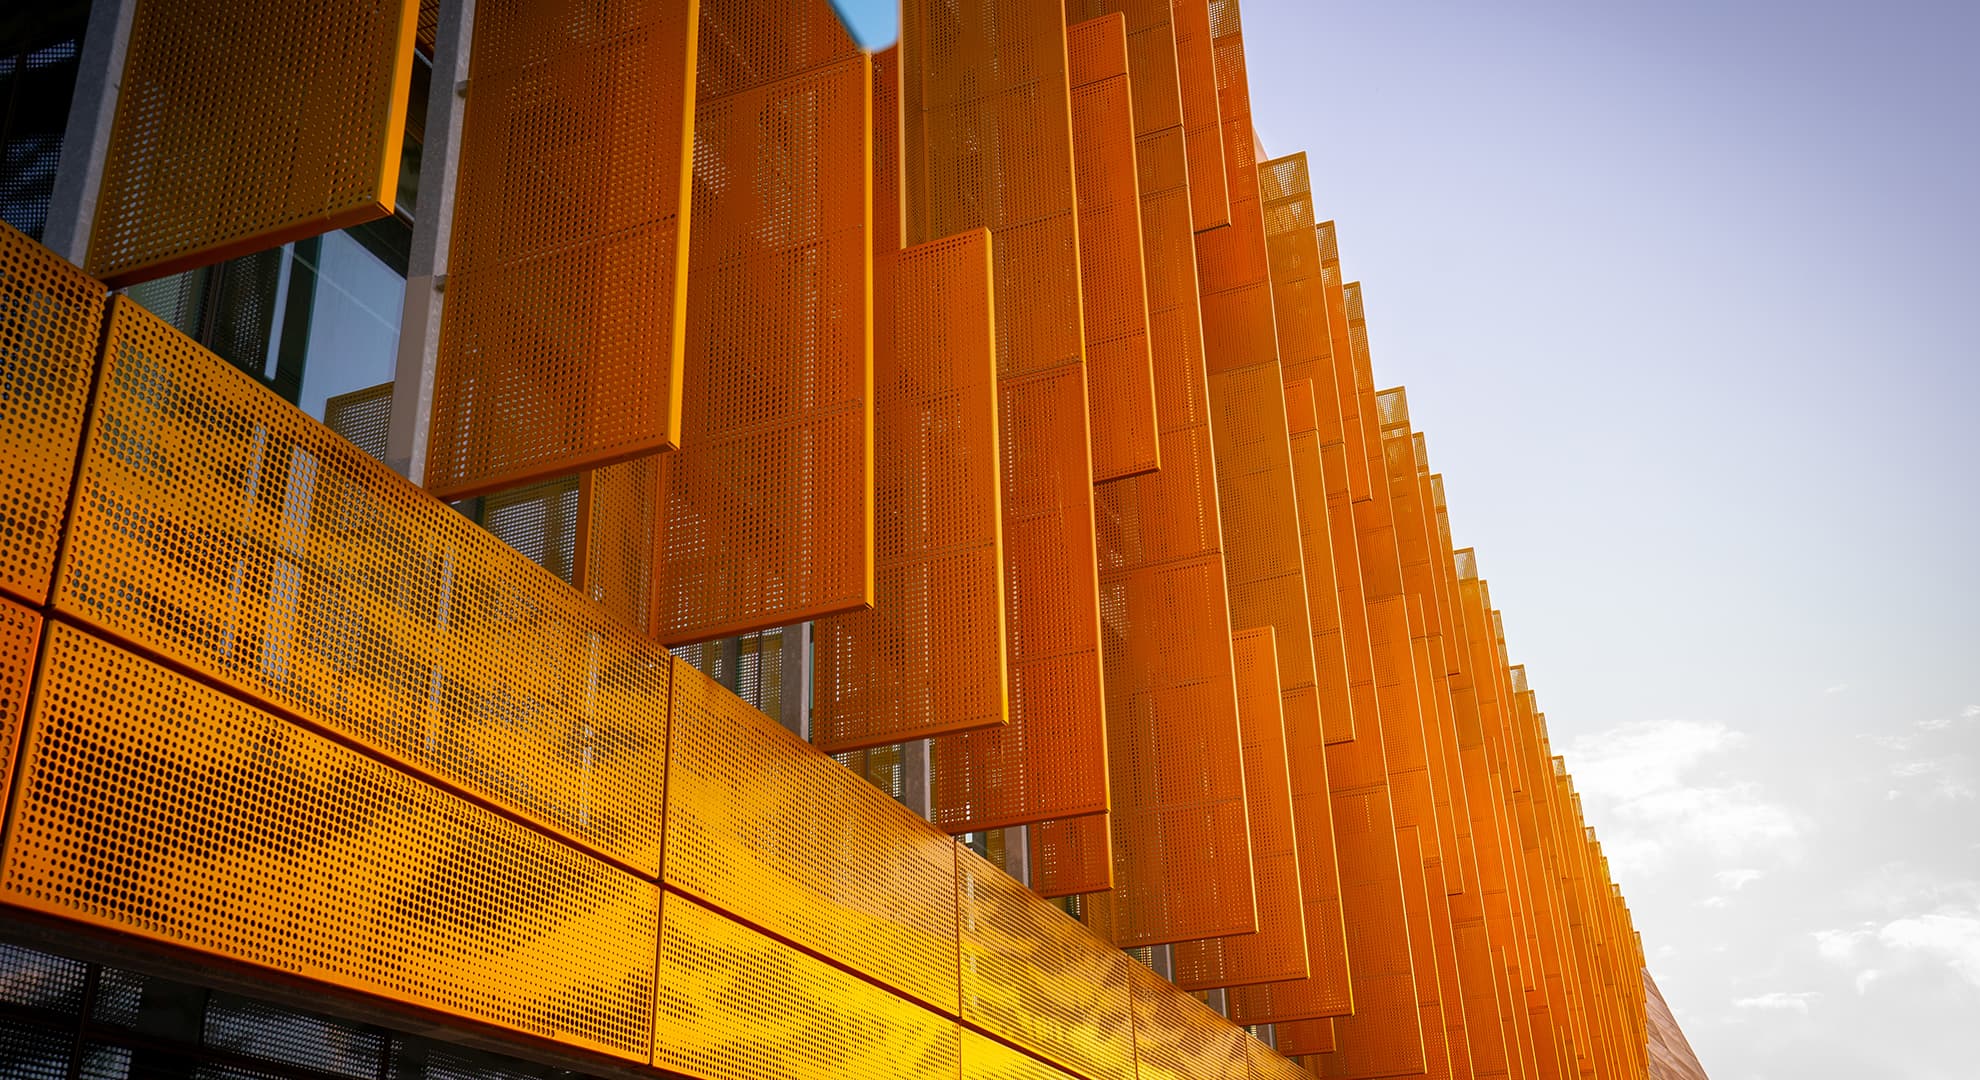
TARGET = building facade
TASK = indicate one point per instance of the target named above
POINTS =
(642, 538)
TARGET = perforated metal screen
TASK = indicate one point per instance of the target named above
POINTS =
(1231, 271)
(732, 1004)
(1074, 856)
(1326, 990)
(1210, 200)
(1177, 1037)
(364, 417)
(930, 657)
(1160, 538)
(988, 143)
(1323, 572)
(1278, 950)
(246, 823)
(51, 319)
(767, 508)
(1181, 843)
(1263, 551)
(284, 562)
(1353, 431)
(20, 643)
(562, 333)
(805, 849)
(1306, 1037)
(1036, 978)
(239, 129)
(1381, 972)
(1120, 374)
(984, 1058)
(614, 544)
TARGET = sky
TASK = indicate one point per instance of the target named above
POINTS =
(1687, 299)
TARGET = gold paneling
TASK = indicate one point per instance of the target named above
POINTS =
(238, 129)
(254, 840)
(222, 528)
(51, 321)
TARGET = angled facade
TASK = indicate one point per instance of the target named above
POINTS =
(647, 539)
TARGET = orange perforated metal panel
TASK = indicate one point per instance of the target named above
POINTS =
(776, 833)
(732, 1004)
(1327, 990)
(1177, 1037)
(1402, 722)
(1323, 585)
(561, 335)
(246, 823)
(1049, 760)
(286, 563)
(1671, 1057)
(987, 118)
(1306, 1039)
(1120, 374)
(1160, 538)
(1073, 856)
(51, 321)
(766, 510)
(1181, 843)
(1298, 286)
(1278, 951)
(614, 558)
(929, 658)
(1210, 204)
(1378, 936)
(1340, 341)
(1034, 977)
(987, 114)
(1264, 556)
(20, 642)
(238, 130)
(1232, 275)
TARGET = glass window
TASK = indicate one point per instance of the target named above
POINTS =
(40, 49)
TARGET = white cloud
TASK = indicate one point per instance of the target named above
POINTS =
(1713, 902)
(1738, 879)
(1839, 945)
(1953, 937)
(1644, 771)
(1781, 1000)
(1946, 935)
(1889, 742)
(1836, 689)
(1945, 776)
(1937, 723)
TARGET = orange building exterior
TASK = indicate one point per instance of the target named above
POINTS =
(889, 564)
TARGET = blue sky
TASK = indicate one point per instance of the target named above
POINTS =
(1687, 298)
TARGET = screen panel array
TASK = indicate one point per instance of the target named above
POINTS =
(1204, 631)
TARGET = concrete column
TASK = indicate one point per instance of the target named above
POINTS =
(433, 230)
(1017, 853)
(794, 702)
(916, 781)
(86, 139)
